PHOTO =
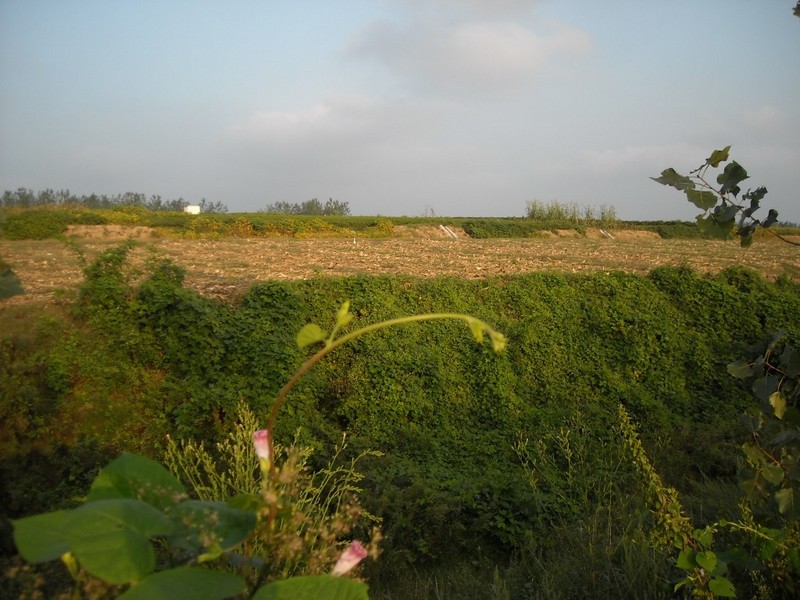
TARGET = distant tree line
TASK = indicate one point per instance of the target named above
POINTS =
(310, 207)
(25, 198)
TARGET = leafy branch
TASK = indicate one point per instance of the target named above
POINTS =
(723, 210)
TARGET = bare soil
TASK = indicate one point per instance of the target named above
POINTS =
(226, 268)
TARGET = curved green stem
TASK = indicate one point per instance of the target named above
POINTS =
(477, 326)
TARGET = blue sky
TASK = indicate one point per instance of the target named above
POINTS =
(399, 107)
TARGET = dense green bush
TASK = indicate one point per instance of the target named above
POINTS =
(450, 416)
(35, 224)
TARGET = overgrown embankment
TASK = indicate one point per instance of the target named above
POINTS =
(497, 450)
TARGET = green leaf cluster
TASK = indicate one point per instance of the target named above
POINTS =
(723, 212)
(135, 502)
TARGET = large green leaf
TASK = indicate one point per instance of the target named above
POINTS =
(731, 177)
(787, 502)
(310, 334)
(702, 200)
(42, 537)
(673, 178)
(204, 526)
(707, 560)
(110, 538)
(790, 361)
(763, 387)
(718, 156)
(773, 473)
(186, 583)
(722, 587)
(754, 454)
(778, 403)
(314, 587)
(710, 226)
(686, 559)
(132, 476)
(741, 369)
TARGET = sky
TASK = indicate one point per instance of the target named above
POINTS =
(400, 107)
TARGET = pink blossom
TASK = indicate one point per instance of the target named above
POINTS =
(262, 440)
(350, 558)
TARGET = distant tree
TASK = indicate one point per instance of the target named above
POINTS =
(336, 207)
(797, 10)
(310, 207)
(212, 207)
(281, 208)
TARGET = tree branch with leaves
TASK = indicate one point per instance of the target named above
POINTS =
(724, 211)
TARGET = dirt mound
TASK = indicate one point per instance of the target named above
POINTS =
(634, 234)
(427, 231)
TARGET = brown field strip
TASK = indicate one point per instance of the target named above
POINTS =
(226, 268)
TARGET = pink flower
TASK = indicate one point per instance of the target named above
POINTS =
(350, 558)
(262, 440)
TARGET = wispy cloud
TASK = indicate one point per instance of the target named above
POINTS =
(476, 55)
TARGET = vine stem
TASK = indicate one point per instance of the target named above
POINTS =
(477, 326)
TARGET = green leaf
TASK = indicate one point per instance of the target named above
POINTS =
(702, 200)
(751, 489)
(792, 417)
(711, 227)
(42, 537)
(763, 387)
(772, 218)
(746, 234)
(790, 361)
(731, 177)
(314, 587)
(754, 455)
(132, 476)
(722, 587)
(251, 502)
(778, 403)
(186, 583)
(686, 559)
(755, 198)
(707, 560)
(205, 525)
(718, 156)
(110, 538)
(773, 473)
(344, 316)
(9, 284)
(310, 334)
(673, 178)
(785, 437)
(753, 420)
(477, 330)
(741, 369)
(787, 503)
(725, 213)
(704, 537)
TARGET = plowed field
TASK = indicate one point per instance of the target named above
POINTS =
(226, 268)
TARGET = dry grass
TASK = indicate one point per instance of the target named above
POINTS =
(226, 268)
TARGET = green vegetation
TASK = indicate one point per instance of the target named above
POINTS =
(506, 473)
(310, 207)
(47, 222)
(558, 212)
